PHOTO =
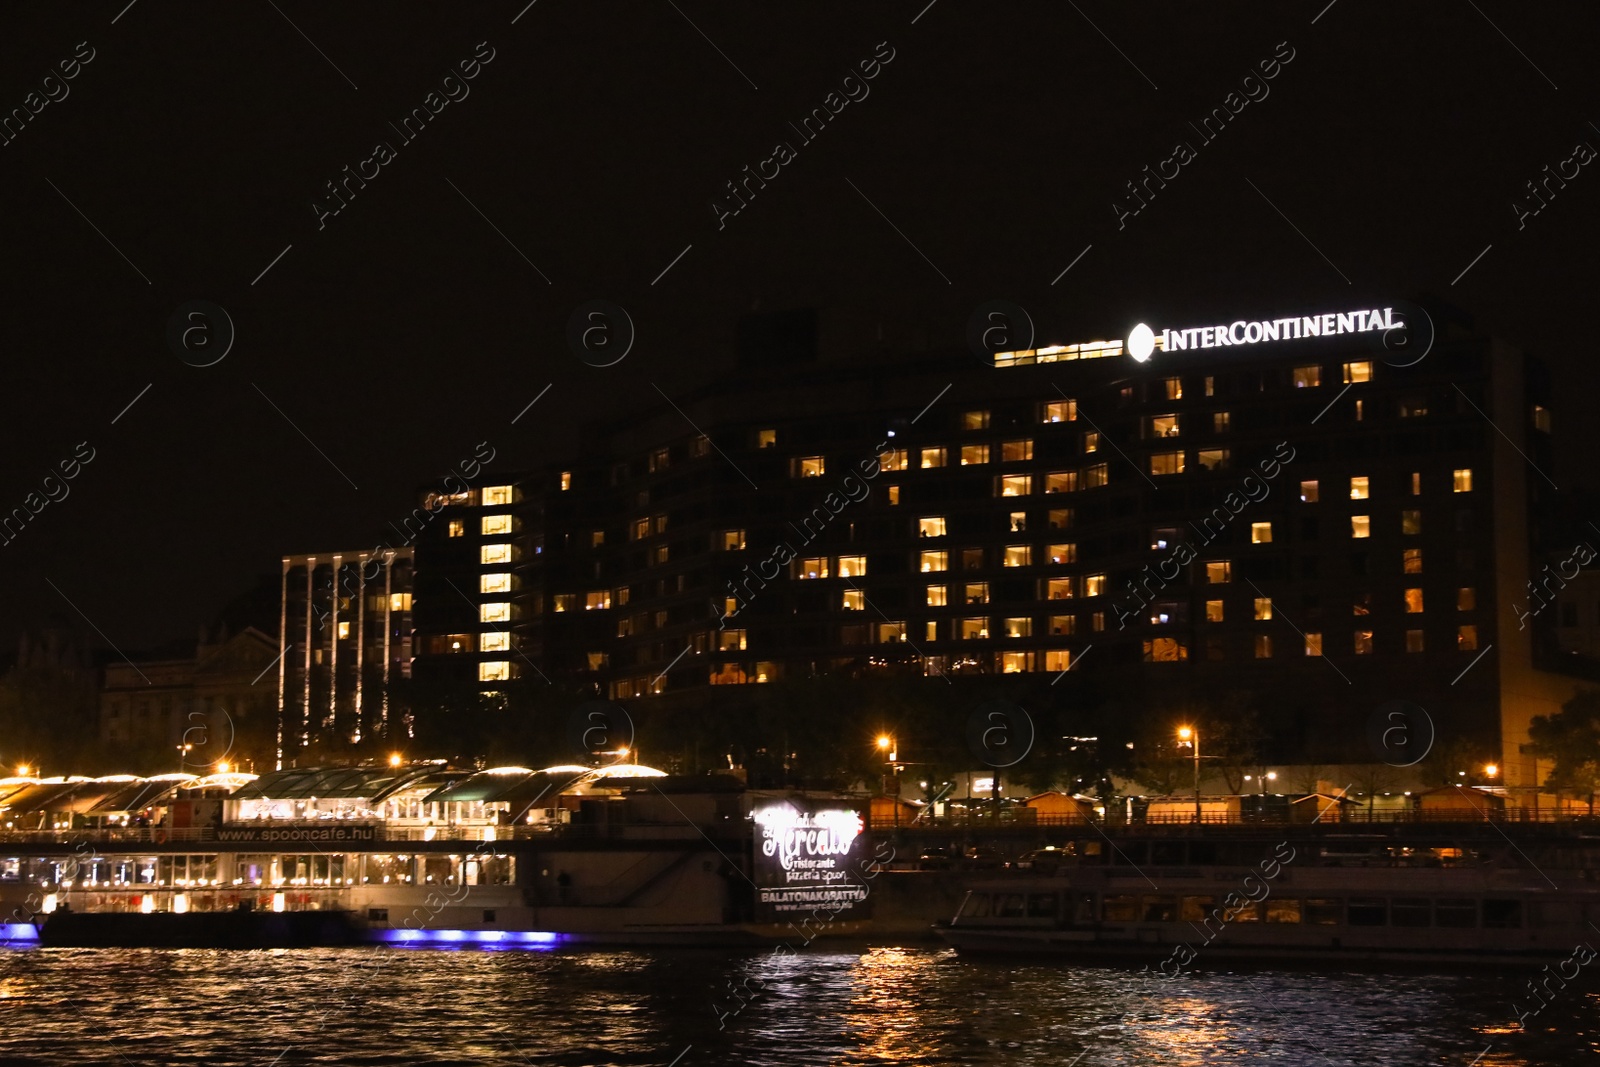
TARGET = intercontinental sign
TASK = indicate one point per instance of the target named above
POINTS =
(1143, 341)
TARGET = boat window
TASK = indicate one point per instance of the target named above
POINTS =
(1323, 912)
(1552, 913)
(1248, 912)
(1083, 909)
(1410, 911)
(1010, 907)
(1196, 909)
(1368, 911)
(976, 906)
(1458, 913)
(1502, 914)
(1119, 909)
(1041, 905)
(1160, 909)
(1283, 910)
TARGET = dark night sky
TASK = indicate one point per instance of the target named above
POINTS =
(408, 329)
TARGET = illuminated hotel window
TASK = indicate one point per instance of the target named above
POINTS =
(1064, 553)
(1263, 606)
(560, 602)
(1174, 388)
(1059, 411)
(1095, 477)
(458, 528)
(1358, 372)
(1361, 604)
(1308, 492)
(1263, 645)
(1016, 451)
(1163, 426)
(853, 600)
(932, 457)
(1413, 600)
(1416, 483)
(766, 438)
(661, 620)
(894, 460)
(1021, 627)
(1211, 386)
(566, 480)
(1060, 518)
(1360, 410)
(1413, 640)
(1358, 488)
(344, 629)
(973, 629)
(1057, 659)
(1360, 526)
(399, 601)
(1091, 442)
(1220, 421)
(1411, 561)
(659, 554)
(933, 561)
(1541, 418)
(1213, 459)
(1219, 571)
(1059, 588)
(625, 625)
(497, 670)
(975, 593)
(1413, 407)
(1164, 537)
(499, 641)
(1063, 624)
(937, 596)
(1094, 584)
(1462, 480)
(494, 495)
(971, 454)
(639, 530)
(1307, 377)
(1467, 638)
(1166, 463)
(852, 566)
(1165, 650)
(972, 559)
(659, 458)
(699, 446)
(495, 525)
(1363, 642)
(930, 630)
(731, 641)
(931, 526)
(1061, 481)
(499, 582)
(1097, 621)
(1411, 522)
(732, 540)
(1013, 485)
(894, 494)
(1260, 533)
(816, 567)
(975, 420)
(597, 538)
(597, 601)
(501, 612)
(1015, 662)
(1466, 598)
(1213, 611)
(808, 466)
(1017, 556)
(1313, 644)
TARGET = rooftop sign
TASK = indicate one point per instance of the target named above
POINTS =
(1142, 341)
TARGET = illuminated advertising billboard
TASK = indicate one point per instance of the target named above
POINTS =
(809, 861)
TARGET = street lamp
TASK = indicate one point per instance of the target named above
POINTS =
(394, 759)
(1192, 737)
(1490, 770)
(886, 745)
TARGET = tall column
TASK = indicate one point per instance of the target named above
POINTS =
(283, 655)
(305, 709)
(333, 648)
(361, 638)
(388, 626)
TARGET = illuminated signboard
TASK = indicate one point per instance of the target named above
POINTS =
(1142, 341)
(809, 862)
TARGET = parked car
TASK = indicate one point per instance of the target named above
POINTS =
(982, 856)
(934, 859)
(1045, 860)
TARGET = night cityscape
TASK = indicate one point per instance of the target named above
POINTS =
(815, 535)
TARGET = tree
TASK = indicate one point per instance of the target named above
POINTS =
(1570, 738)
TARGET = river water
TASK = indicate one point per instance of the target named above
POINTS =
(823, 1005)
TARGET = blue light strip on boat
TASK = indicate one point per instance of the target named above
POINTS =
(508, 938)
(18, 932)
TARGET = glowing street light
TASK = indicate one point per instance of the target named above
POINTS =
(22, 770)
(1491, 770)
(394, 759)
(1192, 736)
(222, 766)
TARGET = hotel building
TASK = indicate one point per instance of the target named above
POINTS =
(1302, 523)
